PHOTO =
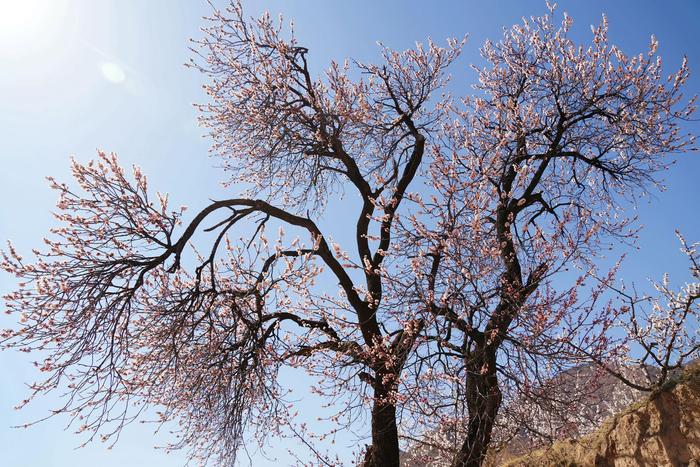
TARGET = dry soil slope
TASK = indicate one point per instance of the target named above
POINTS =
(662, 430)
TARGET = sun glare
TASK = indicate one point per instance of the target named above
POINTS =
(26, 25)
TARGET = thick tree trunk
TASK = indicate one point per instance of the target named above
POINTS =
(384, 451)
(483, 401)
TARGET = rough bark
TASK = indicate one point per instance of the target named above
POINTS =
(384, 451)
(483, 401)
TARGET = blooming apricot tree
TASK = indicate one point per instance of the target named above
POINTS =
(530, 178)
(450, 297)
(666, 326)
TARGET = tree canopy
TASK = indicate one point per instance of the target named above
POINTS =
(472, 281)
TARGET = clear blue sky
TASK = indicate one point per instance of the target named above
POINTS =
(80, 75)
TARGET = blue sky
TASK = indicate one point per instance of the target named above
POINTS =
(80, 75)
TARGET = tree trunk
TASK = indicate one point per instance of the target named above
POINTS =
(483, 401)
(384, 451)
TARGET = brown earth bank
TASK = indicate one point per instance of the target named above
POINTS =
(661, 430)
(603, 396)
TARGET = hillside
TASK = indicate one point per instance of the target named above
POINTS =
(661, 430)
(625, 427)
(597, 395)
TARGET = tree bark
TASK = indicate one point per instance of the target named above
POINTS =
(384, 451)
(483, 401)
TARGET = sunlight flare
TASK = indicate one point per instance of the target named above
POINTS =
(28, 24)
(112, 72)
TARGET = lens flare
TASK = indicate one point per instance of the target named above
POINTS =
(112, 72)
